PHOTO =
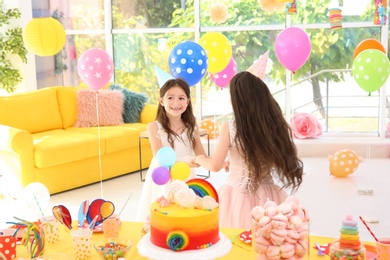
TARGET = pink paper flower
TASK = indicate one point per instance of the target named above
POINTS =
(304, 125)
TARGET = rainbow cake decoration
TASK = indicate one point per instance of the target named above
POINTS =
(186, 217)
(203, 188)
(349, 245)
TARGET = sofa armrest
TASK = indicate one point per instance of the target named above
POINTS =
(148, 113)
(17, 153)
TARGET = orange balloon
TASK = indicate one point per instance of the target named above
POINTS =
(211, 127)
(271, 5)
(368, 44)
(343, 162)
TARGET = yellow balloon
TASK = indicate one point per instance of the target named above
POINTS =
(107, 209)
(180, 171)
(343, 163)
(218, 49)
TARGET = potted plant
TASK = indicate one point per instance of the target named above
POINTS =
(11, 44)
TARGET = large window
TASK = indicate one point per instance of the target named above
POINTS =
(141, 34)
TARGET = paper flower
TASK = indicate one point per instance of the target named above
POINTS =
(305, 125)
(219, 13)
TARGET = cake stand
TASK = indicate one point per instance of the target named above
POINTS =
(153, 252)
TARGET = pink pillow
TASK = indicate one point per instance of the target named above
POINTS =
(110, 108)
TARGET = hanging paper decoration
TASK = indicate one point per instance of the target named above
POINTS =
(380, 15)
(335, 18)
(44, 36)
(259, 66)
(219, 13)
(162, 76)
(291, 7)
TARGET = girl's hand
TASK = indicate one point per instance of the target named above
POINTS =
(192, 163)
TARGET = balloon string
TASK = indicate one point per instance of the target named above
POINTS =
(100, 159)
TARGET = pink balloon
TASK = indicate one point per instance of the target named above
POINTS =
(222, 78)
(95, 67)
(292, 48)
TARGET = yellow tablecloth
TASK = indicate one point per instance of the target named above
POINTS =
(132, 231)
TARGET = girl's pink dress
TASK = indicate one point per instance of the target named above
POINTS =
(237, 197)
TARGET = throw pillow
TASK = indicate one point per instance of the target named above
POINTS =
(110, 108)
(133, 104)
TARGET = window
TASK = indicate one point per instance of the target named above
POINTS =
(140, 35)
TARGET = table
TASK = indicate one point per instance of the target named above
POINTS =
(132, 231)
(144, 135)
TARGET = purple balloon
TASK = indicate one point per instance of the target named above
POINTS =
(292, 48)
(161, 175)
(222, 78)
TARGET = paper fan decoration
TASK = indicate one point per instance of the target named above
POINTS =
(162, 76)
(259, 66)
(202, 188)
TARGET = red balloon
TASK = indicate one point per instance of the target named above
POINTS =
(94, 210)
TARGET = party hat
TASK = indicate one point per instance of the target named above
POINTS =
(258, 67)
(162, 76)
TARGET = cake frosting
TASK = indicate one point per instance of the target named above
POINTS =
(186, 217)
(348, 246)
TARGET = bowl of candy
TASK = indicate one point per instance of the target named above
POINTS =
(112, 249)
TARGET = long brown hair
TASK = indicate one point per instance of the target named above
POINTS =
(263, 138)
(187, 116)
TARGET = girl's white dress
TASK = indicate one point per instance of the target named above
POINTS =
(237, 197)
(151, 191)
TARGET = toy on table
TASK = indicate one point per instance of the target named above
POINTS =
(348, 246)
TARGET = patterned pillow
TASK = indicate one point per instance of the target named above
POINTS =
(110, 108)
(133, 104)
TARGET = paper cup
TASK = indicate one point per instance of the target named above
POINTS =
(51, 228)
(82, 243)
(112, 226)
(7, 244)
(383, 248)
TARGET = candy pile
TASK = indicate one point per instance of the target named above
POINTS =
(280, 231)
(349, 245)
(113, 250)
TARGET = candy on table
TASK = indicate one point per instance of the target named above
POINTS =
(348, 246)
(113, 250)
(280, 231)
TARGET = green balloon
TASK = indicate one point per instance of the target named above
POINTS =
(371, 68)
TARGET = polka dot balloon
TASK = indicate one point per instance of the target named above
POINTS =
(211, 128)
(343, 162)
(371, 69)
(188, 60)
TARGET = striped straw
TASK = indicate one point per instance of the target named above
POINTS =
(368, 228)
(39, 206)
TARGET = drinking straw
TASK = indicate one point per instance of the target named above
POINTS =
(368, 228)
(39, 206)
(125, 204)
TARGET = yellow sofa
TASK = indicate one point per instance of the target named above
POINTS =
(38, 142)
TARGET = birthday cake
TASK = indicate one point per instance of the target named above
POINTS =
(348, 246)
(186, 217)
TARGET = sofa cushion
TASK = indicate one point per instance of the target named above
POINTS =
(57, 147)
(67, 104)
(34, 111)
(114, 138)
(109, 109)
(133, 104)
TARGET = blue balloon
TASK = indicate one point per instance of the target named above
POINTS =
(166, 156)
(161, 175)
(188, 60)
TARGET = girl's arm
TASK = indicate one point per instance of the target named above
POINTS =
(198, 150)
(154, 140)
(216, 162)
